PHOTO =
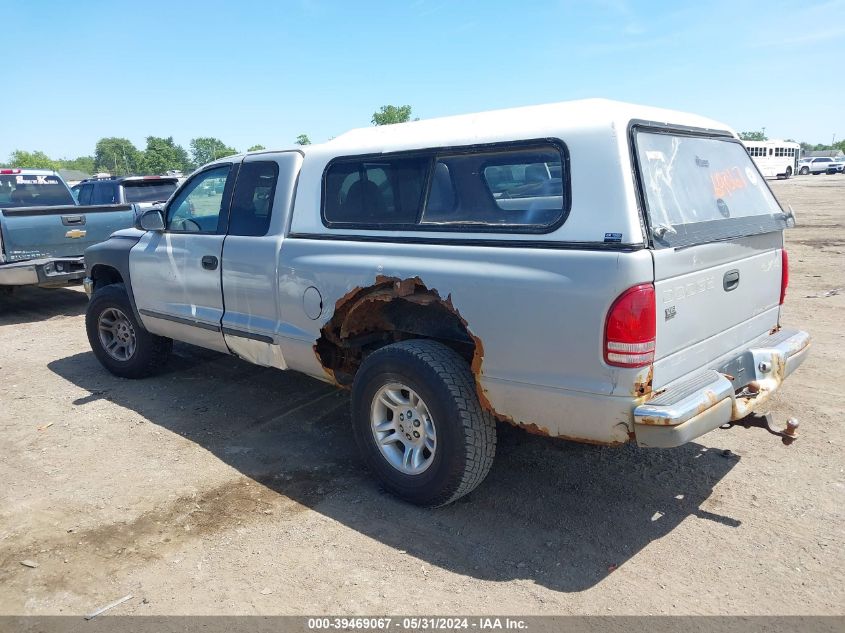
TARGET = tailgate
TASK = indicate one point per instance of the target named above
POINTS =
(712, 299)
(717, 236)
(66, 231)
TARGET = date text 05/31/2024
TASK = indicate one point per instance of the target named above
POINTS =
(417, 624)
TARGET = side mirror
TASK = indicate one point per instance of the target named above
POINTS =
(150, 220)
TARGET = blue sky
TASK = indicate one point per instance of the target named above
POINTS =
(263, 71)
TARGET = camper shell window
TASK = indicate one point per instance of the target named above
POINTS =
(507, 187)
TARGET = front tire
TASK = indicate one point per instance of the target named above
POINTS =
(417, 420)
(804, 171)
(119, 342)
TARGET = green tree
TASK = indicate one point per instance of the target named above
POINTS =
(303, 139)
(31, 160)
(163, 154)
(206, 149)
(390, 114)
(118, 156)
(80, 163)
(256, 148)
(757, 135)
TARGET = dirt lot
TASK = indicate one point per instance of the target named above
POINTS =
(225, 488)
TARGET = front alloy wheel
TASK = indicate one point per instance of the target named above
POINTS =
(117, 335)
(118, 339)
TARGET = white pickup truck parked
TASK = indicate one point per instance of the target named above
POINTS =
(592, 270)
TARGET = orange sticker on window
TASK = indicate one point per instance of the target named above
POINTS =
(728, 181)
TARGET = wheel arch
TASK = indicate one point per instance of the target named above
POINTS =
(105, 275)
(388, 311)
(107, 263)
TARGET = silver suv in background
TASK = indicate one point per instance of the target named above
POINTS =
(837, 166)
(818, 165)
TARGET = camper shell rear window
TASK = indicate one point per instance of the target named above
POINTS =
(518, 187)
(701, 188)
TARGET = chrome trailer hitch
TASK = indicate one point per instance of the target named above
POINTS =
(766, 421)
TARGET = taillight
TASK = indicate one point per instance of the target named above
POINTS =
(784, 274)
(630, 328)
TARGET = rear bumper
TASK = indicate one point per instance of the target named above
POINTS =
(695, 405)
(42, 272)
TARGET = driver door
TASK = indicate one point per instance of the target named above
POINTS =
(175, 274)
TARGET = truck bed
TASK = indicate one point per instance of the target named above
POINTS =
(30, 233)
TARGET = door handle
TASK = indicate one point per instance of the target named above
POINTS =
(209, 262)
(731, 280)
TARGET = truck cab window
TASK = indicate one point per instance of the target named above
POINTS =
(198, 206)
(252, 201)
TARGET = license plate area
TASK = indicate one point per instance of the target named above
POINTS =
(740, 370)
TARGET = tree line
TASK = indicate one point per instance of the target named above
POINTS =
(119, 156)
(760, 135)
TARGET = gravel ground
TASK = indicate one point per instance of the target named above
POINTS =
(221, 487)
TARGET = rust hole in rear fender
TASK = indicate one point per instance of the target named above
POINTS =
(392, 310)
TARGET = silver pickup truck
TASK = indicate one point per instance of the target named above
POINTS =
(592, 270)
(44, 233)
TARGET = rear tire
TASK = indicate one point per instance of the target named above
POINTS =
(445, 448)
(118, 340)
(788, 173)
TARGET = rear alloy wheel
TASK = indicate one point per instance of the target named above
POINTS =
(403, 429)
(418, 422)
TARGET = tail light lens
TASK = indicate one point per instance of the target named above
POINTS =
(784, 274)
(630, 328)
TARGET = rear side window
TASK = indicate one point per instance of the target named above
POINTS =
(85, 193)
(104, 193)
(252, 202)
(514, 187)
